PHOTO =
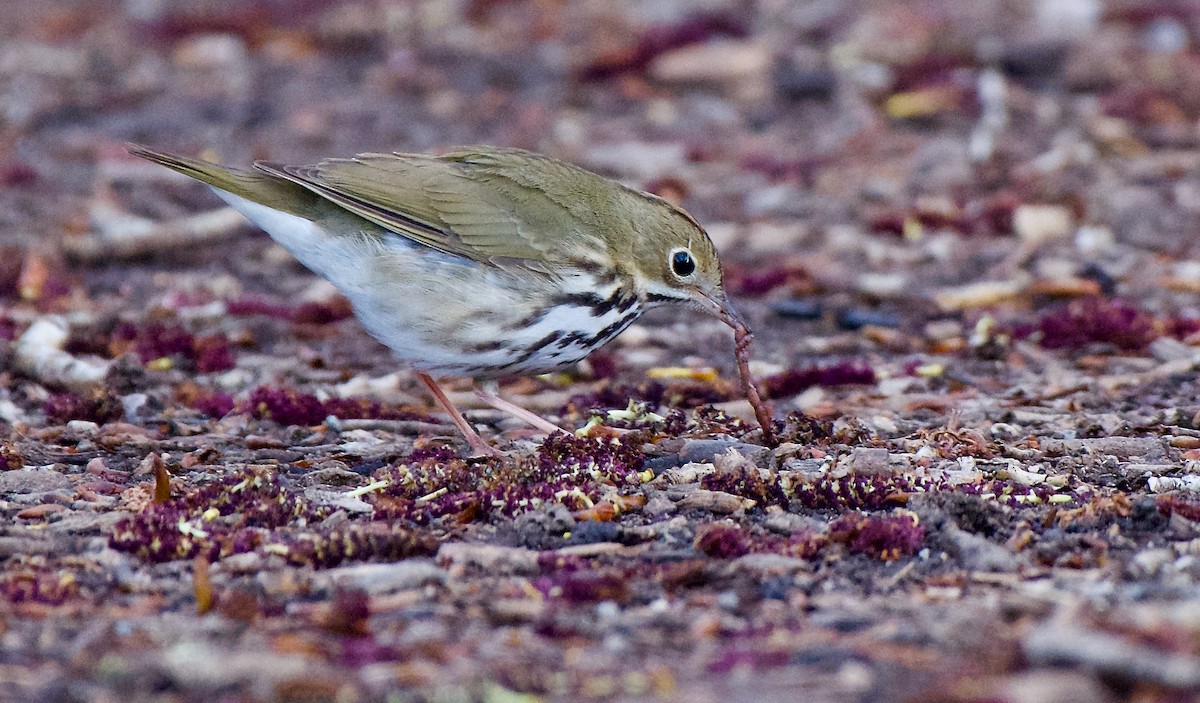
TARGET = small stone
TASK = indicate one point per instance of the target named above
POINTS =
(339, 500)
(730, 64)
(1060, 643)
(378, 579)
(703, 450)
(1092, 240)
(857, 318)
(1171, 349)
(492, 559)
(798, 309)
(515, 610)
(1120, 447)
(770, 238)
(785, 523)
(1037, 224)
(718, 502)
(770, 564)
(39, 512)
(1046, 686)
(795, 83)
(1068, 18)
(658, 506)
(1166, 35)
(975, 552)
(868, 460)
(195, 665)
(639, 160)
(208, 51)
(977, 295)
(34, 480)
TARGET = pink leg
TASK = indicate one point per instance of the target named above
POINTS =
(493, 399)
(457, 418)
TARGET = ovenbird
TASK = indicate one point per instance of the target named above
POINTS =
(482, 262)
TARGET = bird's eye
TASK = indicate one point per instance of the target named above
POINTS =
(682, 263)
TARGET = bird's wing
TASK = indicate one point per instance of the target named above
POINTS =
(482, 204)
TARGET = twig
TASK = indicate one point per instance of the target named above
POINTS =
(118, 234)
(39, 353)
(741, 338)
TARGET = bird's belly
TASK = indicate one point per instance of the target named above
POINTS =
(445, 314)
(488, 327)
(336, 259)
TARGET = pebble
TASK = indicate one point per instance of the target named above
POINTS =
(857, 318)
(493, 559)
(639, 160)
(771, 238)
(203, 666)
(729, 64)
(340, 500)
(1034, 59)
(977, 295)
(1059, 643)
(1045, 686)
(377, 579)
(1068, 18)
(771, 564)
(718, 502)
(36, 480)
(1121, 447)
(793, 83)
(883, 285)
(1171, 349)
(1038, 224)
(515, 610)
(703, 450)
(869, 460)
(208, 51)
(1166, 35)
(975, 552)
(39, 512)
(1093, 240)
(784, 199)
(798, 309)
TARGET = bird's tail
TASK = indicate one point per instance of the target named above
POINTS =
(259, 187)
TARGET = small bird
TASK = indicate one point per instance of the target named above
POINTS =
(482, 262)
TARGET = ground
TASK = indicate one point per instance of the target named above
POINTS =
(965, 235)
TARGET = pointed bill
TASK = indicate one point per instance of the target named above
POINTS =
(719, 307)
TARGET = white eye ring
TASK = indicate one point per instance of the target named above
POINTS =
(682, 263)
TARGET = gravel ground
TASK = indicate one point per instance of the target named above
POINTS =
(965, 235)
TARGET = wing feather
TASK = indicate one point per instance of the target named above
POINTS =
(504, 206)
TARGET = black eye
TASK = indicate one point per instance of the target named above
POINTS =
(682, 263)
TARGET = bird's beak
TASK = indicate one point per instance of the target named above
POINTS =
(717, 305)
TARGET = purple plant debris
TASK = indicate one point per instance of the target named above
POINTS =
(1094, 320)
(568, 470)
(99, 406)
(884, 537)
(793, 381)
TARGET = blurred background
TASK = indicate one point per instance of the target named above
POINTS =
(888, 153)
(964, 233)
